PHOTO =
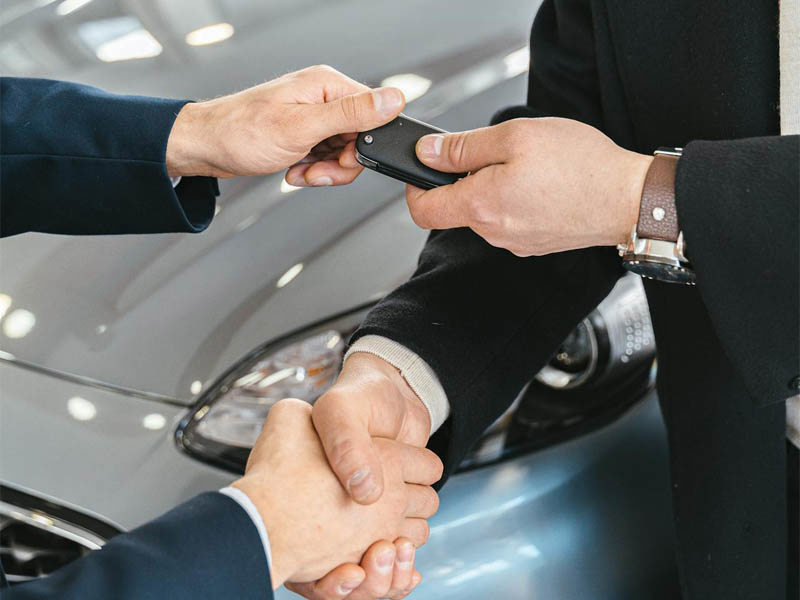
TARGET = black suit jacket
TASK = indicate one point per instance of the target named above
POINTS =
(652, 74)
(75, 159)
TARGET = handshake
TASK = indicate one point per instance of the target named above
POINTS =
(348, 481)
(316, 530)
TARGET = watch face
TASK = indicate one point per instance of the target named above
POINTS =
(660, 272)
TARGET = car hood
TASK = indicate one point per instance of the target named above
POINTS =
(165, 315)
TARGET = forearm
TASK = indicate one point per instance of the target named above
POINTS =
(78, 160)
(485, 321)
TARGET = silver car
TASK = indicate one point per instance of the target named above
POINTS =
(136, 370)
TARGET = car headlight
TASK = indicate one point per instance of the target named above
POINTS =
(226, 421)
(601, 369)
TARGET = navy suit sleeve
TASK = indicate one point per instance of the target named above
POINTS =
(207, 547)
(77, 160)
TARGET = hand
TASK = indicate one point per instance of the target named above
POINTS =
(537, 186)
(312, 524)
(369, 399)
(309, 117)
(377, 577)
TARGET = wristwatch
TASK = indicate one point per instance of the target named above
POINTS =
(656, 248)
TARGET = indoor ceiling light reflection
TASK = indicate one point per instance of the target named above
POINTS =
(196, 387)
(154, 421)
(5, 304)
(136, 44)
(413, 86)
(70, 6)
(289, 276)
(210, 34)
(517, 62)
(19, 323)
(81, 409)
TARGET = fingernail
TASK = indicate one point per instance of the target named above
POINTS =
(387, 101)
(430, 146)
(348, 586)
(360, 484)
(405, 556)
(322, 181)
(385, 560)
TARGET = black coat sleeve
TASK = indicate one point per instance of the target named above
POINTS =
(77, 160)
(482, 318)
(739, 207)
(205, 548)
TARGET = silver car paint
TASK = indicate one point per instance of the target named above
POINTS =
(585, 519)
(149, 316)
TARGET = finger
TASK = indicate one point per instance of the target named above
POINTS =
(420, 465)
(357, 112)
(452, 205)
(347, 157)
(290, 415)
(416, 530)
(467, 150)
(296, 174)
(423, 501)
(403, 568)
(330, 172)
(343, 429)
(378, 563)
(321, 173)
(339, 583)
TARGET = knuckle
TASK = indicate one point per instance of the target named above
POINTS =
(342, 454)
(425, 533)
(350, 109)
(516, 130)
(419, 216)
(433, 503)
(436, 466)
(457, 148)
(322, 68)
(480, 212)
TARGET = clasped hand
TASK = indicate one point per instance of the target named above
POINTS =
(312, 523)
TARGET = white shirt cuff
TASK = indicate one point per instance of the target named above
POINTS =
(419, 375)
(244, 501)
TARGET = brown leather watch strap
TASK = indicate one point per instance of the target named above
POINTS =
(658, 218)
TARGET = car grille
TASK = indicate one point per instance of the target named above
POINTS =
(37, 537)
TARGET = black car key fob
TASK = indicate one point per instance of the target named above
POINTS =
(391, 150)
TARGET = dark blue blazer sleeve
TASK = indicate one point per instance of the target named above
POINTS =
(77, 160)
(207, 547)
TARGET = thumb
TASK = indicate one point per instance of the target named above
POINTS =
(345, 436)
(359, 112)
(462, 152)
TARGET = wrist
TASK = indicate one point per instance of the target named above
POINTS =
(396, 385)
(634, 172)
(284, 562)
(186, 147)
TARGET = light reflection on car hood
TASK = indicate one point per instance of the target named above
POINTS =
(160, 313)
